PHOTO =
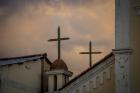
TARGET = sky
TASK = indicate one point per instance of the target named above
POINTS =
(26, 26)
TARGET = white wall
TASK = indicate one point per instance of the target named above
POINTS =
(21, 78)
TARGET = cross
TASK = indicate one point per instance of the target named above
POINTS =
(59, 41)
(90, 53)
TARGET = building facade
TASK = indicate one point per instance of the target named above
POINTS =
(23, 74)
(127, 46)
(100, 78)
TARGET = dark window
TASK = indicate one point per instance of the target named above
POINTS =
(65, 80)
(47, 83)
(55, 82)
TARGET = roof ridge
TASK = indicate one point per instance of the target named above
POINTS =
(21, 59)
(25, 56)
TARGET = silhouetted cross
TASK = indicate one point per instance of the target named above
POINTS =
(59, 42)
(90, 53)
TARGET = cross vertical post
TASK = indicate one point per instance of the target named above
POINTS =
(58, 39)
(59, 44)
(90, 53)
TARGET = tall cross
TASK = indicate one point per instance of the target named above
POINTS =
(90, 53)
(59, 42)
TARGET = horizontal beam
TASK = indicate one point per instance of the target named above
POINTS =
(90, 52)
(59, 39)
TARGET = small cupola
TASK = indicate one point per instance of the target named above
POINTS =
(59, 64)
(58, 75)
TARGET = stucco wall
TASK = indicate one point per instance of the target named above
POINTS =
(108, 86)
(21, 78)
(135, 44)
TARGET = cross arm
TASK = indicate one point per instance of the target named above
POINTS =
(58, 39)
(90, 52)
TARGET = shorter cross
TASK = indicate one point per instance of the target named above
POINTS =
(90, 53)
(59, 42)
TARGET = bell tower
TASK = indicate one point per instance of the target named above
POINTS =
(59, 74)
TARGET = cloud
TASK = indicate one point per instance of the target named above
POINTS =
(26, 26)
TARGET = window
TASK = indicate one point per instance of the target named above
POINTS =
(66, 79)
(55, 82)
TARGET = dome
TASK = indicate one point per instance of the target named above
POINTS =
(59, 65)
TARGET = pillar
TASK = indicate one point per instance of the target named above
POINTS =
(122, 49)
(60, 80)
(51, 83)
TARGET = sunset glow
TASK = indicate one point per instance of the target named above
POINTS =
(27, 25)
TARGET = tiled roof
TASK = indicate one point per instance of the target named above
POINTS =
(87, 70)
(22, 59)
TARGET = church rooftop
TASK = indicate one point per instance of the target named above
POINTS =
(87, 70)
(22, 59)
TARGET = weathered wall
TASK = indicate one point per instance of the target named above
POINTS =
(21, 78)
(101, 79)
(108, 86)
(135, 44)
